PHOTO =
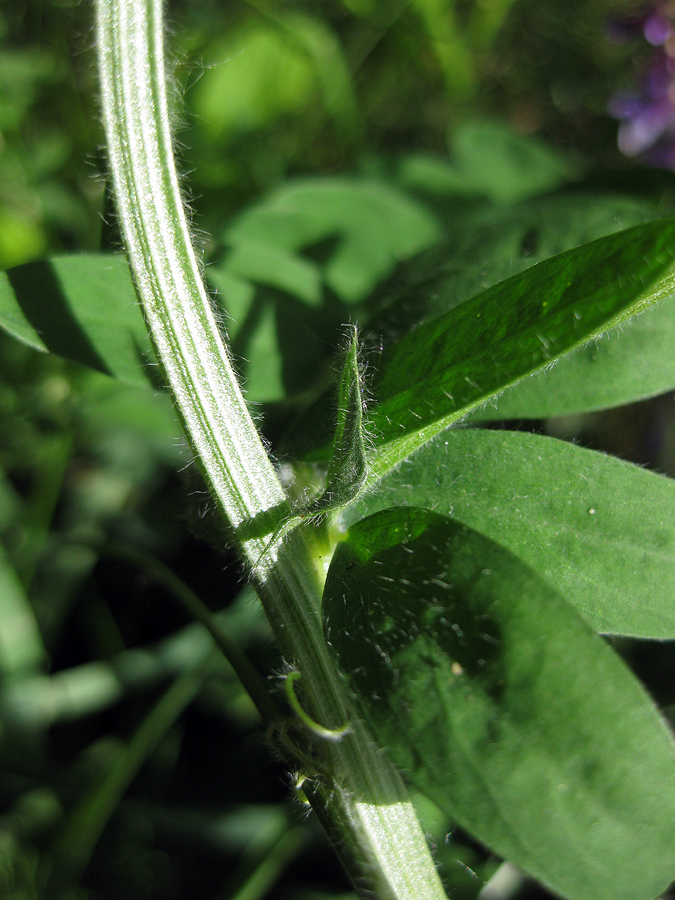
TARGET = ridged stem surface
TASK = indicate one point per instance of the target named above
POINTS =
(362, 799)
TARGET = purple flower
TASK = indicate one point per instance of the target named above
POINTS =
(647, 125)
(657, 81)
(657, 28)
(647, 115)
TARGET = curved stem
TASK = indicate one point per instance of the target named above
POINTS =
(366, 801)
(328, 734)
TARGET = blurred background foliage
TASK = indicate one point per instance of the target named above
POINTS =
(322, 143)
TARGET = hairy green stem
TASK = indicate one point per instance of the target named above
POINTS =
(363, 800)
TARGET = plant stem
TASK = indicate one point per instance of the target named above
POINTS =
(364, 801)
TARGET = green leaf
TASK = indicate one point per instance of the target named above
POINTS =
(265, 264)
(601, 530)
(235, 295)
(279, 345)
(375, 225)
(83, 308)
(348, 469)
(500, 704)
(251, 325)
(489, 159)
(318, 244)
(486, 245)
(489, 245)
(445, 368)
(322, 46)
(251, 79)
(630, 363)
(21, 647)
(147, 417)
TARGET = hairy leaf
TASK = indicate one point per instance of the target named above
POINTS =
(633, 361)
(629, 363)
(446, 367)
(498, 702)
(348, 467)
(602, 531)
(347, 470)
(486, 246)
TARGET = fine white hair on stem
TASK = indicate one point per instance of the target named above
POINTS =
(222, 434)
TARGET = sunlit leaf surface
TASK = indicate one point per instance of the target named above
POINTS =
(80, 307)
(452, 364)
